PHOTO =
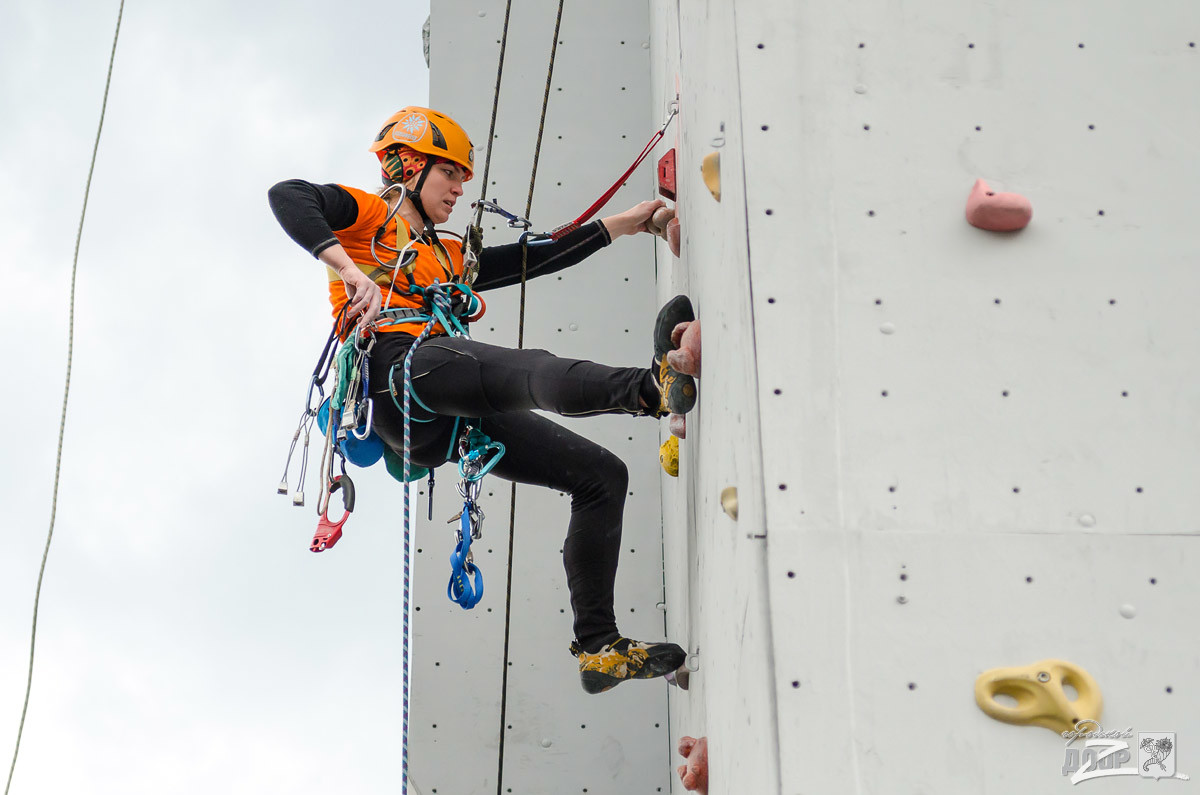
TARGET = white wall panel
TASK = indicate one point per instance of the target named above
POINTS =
(560, 740)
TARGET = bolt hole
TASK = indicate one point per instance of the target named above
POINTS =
(1154, 581)
(978, 128)
(971, 46)
(903, 577)
(871, 213)
(764, 127)
(791, 575)
(795, 683)
(760, 46)
(1138, 489)
(912, 685)
(770, 212)
(1016, 489)
(1100, 212)
(1170, 689)
(1028, 579)
(778, 391)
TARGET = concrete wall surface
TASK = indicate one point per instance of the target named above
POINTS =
(955, 450)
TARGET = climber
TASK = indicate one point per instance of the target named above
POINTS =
(431, 156)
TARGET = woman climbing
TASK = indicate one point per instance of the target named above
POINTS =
(431, 156)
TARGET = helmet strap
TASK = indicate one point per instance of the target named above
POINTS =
(418, 202)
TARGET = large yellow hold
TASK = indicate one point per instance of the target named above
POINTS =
(668, 456)
(1038, 691)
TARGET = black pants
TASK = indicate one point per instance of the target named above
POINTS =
(455, 377)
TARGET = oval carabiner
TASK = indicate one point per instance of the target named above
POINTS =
(366, 426)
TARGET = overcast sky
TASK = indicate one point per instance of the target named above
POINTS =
(188, 641)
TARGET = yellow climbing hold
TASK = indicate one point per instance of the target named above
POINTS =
(668, 456)
(710, 169)
(1039, 692)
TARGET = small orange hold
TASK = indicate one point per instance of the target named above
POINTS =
(997, 212)
(694, 774)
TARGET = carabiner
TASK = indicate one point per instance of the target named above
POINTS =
(514, 221)
(368, 423)
(328, 531)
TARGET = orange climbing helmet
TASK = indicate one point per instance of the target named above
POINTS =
(428, 132)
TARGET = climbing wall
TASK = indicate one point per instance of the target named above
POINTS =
(954, 450)
(557, 738)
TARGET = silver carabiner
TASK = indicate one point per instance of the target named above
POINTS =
(370, 421)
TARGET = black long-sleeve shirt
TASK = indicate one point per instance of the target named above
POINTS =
(310, 214)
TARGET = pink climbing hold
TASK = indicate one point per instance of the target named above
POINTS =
(997, 212)
(678, 425)
(686, 339)
(664, 224)
(694, 774)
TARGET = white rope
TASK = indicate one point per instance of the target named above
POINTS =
(62, 424)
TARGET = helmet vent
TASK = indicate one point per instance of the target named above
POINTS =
(439, 140)
(387, 128)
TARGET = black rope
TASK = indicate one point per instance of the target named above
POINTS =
(62, 425)
(512, 509)
(487, 162)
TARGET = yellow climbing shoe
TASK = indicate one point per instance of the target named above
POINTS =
(677, 391)
(625, 659)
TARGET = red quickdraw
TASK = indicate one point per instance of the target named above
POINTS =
(566, 229)
(328, 532)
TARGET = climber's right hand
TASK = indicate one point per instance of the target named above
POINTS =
(364, 295)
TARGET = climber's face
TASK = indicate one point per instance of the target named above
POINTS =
(442, 188)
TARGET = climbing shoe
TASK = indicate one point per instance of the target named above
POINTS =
(625, 659)
(677, 391)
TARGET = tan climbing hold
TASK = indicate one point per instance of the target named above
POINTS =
(729, 502)
(668, 456)
(710, 169)
(1039, 692)
(997, 212)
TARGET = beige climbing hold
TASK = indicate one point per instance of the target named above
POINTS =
(710, 169)
(997, 212)
(1039, 692)
(668, 456)
(729, 502)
